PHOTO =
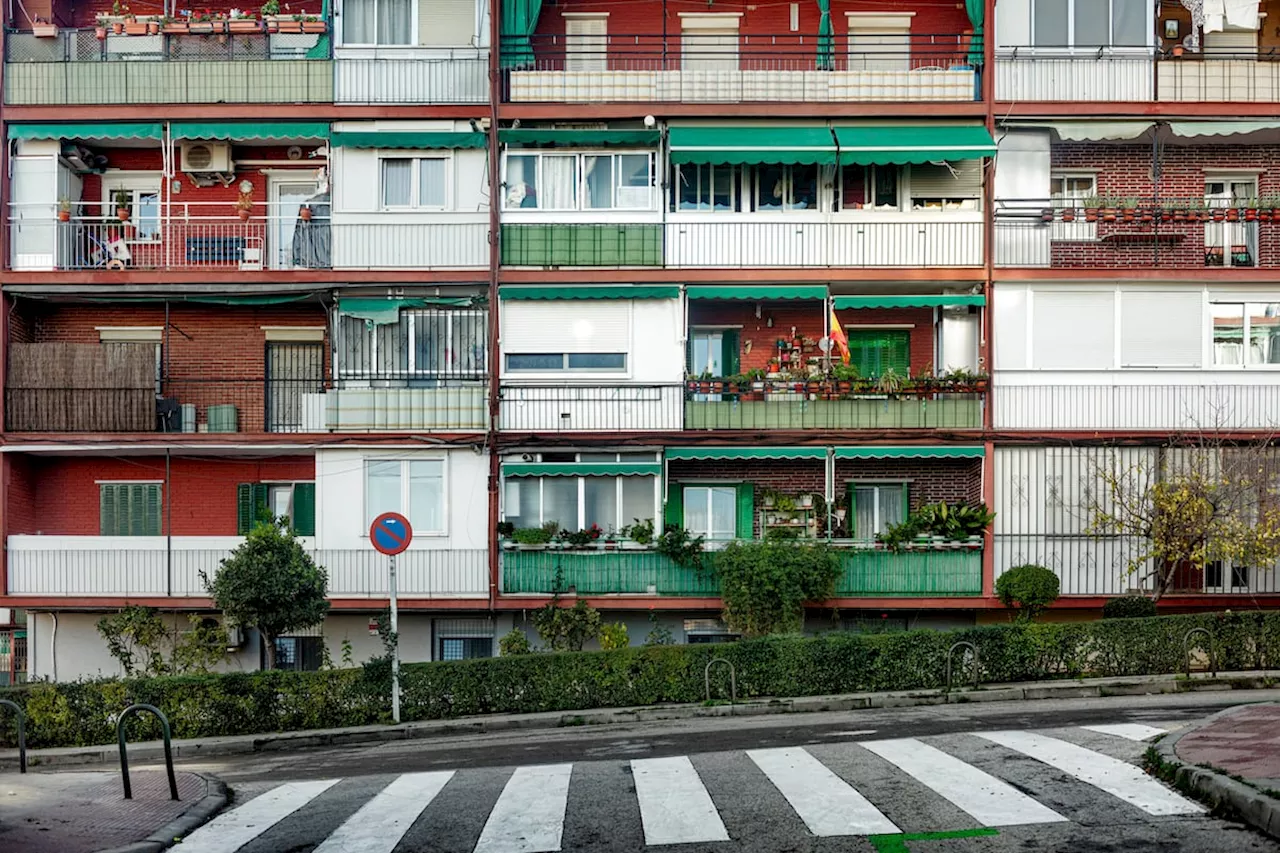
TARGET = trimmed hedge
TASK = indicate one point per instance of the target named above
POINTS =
(83, 713)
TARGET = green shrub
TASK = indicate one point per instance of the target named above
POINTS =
(765, 585)
(613, 635)
(1129, 607)
(1029, 589)
(514, 642)
(84, 712)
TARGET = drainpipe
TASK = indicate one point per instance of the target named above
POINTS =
(53, 646)
(168, 526)
(495, 258)
(985, 323)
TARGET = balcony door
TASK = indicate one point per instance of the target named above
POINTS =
(293, 370)
(709, 42)
(1231, 244)
(287, 197)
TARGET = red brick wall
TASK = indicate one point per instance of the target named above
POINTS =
(1124, 171)
(938, 31)
(929, 480)
(203, 491)
(793, 476)
(808, 320)
(20, 505)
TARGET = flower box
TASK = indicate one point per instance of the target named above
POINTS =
(135, 28)
(315, 27)
(244, 25)
(282, 24)
(44, 31)
(176, 28)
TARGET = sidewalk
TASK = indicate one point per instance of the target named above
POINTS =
(1232, 759)
(82, 812)
(198, 748)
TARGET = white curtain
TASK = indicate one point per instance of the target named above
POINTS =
(359, 21)
(431, 182)
(559, 182)
(397, 182)
(598, 173)
(395, 22)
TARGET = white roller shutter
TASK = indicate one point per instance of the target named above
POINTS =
(586, 325)
(446, 23)
(1161, 329)
(961, 179)
(1232, 41)
(585, 40)
(1073, 330)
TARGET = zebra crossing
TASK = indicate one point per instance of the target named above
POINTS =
(684, 800)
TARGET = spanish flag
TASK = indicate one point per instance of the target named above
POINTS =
(838, 338)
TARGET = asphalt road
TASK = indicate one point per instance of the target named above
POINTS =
(811, 782)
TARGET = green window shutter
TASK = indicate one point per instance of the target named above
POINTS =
(261, 509)
(729, 340)
(244, 509)
(674, 513)
(108, 515)
(153, 512)
(873, 352)
(304, 509)
(746, 510)
(137, 503)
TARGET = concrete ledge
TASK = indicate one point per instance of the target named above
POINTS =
(282, 741)
(214, 801)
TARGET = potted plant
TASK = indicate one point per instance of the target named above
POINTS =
(1091, 206)
(1128, 208)
(244, 22)
(890, 382)
(64, 209)
(287, 24)
(173, 27)
(313, 24)
(534, 538)
(1233, 214)
(1251, 210)
(1046, 215)
(244, 208)
(124, 203)
(42, 29)
(134, 27)
(1068, 214)
(100, 31)
(639, 535)
(1107, 211)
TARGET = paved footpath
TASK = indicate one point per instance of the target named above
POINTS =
(85, 812)
(1244, 743)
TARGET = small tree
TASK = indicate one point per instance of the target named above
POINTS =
(765, 585)
(1028, 589)
(566, 629)
(270, 583)
(514, 642)
(135, 637)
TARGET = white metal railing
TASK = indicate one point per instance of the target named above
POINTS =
(1159, 408)
(408, 75)
(408, 244)
(1028, 73)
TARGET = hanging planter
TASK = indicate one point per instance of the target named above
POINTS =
(1233, 214)
(1068, 214)
(1046, 215)
(1091, 214)
(1108, 214)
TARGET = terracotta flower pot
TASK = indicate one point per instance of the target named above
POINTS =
(314, 26)
(64, 216)
(176, 28)
(153, 28)
(100, 32)
(1091, 214)
(243, 214)
(1068, 214)
(122, 213)
(117, 27)
(135, 28)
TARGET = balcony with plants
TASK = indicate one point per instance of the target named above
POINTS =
(139, 53)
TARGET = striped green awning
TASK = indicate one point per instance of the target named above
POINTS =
(590, 291)
(752, 145)
(880, 451)
(746, 453)
(87, 130)
(758, 292)
(249, 130)
(580, 138)
(907, 301)
(880, 145)
(427, 140)
(382, 311)
(582, 469)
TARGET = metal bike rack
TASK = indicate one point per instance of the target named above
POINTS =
(951, 651)
(168, 751)
(733, 679)
(1209, 646)
(22, 732)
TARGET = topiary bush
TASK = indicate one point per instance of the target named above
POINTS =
(1029, 589)
(1129, 607)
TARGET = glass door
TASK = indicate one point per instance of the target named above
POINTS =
(286, 198)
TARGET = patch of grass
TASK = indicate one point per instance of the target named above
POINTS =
(572, 721)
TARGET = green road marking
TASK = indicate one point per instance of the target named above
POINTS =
(898, 843)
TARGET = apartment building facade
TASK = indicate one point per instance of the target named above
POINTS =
(595, 266)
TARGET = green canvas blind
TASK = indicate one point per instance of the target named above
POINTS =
(129, 509)
(746, 511)
(729, 340)
(304, 509)
(673, 513)
(874, 352)
(251, 505)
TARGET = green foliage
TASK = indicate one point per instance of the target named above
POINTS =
(199, 648)
(953, 522)
(1129, 607)
(613, 636)
(271, 584)
(765, 585)
(514, 642)
(641, 532)
(659, 634)
(581, 538)
(566, 629)
(535, 535)
(676, 544)
(145, 644)
(1030, 589)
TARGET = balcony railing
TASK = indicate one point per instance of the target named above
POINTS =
(826, 405)
(1219, 75)
(408, 244)
(1159, 408)
(411, 75)
(117, 566)
(756, 67)
(864, 572)
(76, 67)
(1074, 74)
(590, 408)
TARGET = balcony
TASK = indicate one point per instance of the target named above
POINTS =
(411, 75)
(76, 67)
(864, 572)
(396, 405)
(1027, 73)
(826, 405)
(1163, 408)
(648, 68)
(572, 245)
(1218, 75)
(425, 244)
(590, 408)
(134, 566)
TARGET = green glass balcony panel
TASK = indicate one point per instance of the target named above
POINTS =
(565, 245)
(955, 412)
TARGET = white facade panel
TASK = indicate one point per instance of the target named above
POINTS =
(1011, 321)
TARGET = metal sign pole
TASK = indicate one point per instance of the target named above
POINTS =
(395, 646)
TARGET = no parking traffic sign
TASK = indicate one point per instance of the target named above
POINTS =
(390, 533)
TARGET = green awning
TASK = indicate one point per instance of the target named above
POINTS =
(752, 145)
(583, 469)
(590, 291)
(907, 301)
(580, 138)
(746, 453)
(758, 292)
(408, 139)
(246, 131)
(87, 130)
(383, 312)
(874, 145)
(954, 451)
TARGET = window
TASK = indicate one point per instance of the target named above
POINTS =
(378, 22)
(539, 362)
(709, 42)
(129, 509)
(879, 41)
(144, 210)
(464, 648)
(415, 182)
(582, 181)
(576, 503)
(427, 343)
(713, 352)
(412, 487)
(711, 511)
(1072, 190)
(1090, 23)
(779, 188)
(295, 502)
(874, 187)
(707, 187)
(876, 508)
(1230, 244)
(586, 41)
(299, 654)
(1245, 334)
(1214, 574)
(875, 351)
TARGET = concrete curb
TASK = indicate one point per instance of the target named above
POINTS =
(213, 801)
(275, 742)
(1216, 788)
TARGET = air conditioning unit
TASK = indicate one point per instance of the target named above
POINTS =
(235, 638)
(200, 157)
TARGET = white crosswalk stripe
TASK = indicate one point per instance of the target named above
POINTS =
(990, 801)
(675, 807)
(1102, 771)
(529, 814)
(380, 823)
(1130, 731)
(230, 831)
(827, 804)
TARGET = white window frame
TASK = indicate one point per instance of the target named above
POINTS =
(134, 183)
(1247, 335)
(1080, 229)
(582, 500)
(564, 361)
(732, 488)
(406, 509)
(1071, 47)
(878, 486)
(738, 200)
(580, 193)
(415, 202)
(869, 188)
(789, 190)
(413, 35)
(370, 346)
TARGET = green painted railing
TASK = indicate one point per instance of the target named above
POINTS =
(593, 245)
(864, 573)
(954, 411)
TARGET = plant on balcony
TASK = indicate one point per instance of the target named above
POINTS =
(124, 203)
(536, 537)
(243, 22)
(939, 524)
(765, 585)
(42, 28)
(244, 206)
(1028, 589)
(174, 27)
(1091, 208)
(314, 24)
(890, 382)
(206, 21)
(1128, 209)
(580, 538)
(639, 532)
(676, 544)
(64, 209)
